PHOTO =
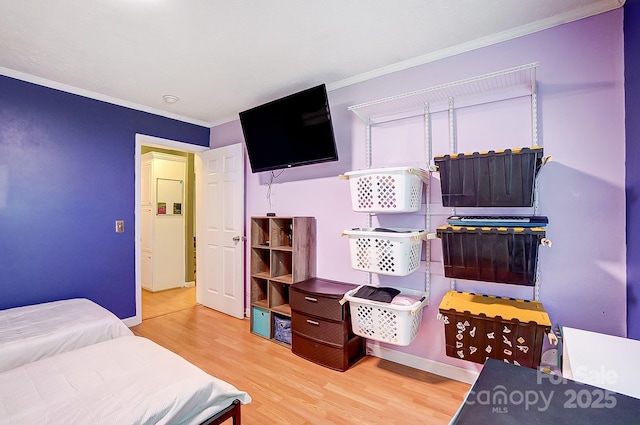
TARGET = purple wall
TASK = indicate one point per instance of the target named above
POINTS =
(66, 175)
(581, 124)
(632, 109)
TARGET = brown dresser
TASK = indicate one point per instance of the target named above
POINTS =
(321, 327)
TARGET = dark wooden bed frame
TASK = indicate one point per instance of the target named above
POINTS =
(230, 412)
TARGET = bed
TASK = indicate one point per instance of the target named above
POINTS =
(34, 332)
(126, 380)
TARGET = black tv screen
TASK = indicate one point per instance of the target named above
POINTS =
(289, 132)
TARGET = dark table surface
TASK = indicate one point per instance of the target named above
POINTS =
(509, 394)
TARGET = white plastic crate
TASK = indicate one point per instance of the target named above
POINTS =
(386, 190)
(385, 322)
(392, 251)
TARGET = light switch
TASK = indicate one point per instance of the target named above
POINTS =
(119, 226)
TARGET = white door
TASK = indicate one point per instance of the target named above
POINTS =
(220, 229)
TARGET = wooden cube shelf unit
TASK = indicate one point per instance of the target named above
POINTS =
(283, 252)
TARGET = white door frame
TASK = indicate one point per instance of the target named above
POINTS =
(143, 139)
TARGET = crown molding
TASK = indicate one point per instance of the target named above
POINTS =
(574, 15)
(97, 96)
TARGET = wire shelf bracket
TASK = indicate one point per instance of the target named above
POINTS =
(500, 85)
(511, 83)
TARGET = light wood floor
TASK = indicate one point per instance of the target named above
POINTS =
(287, 389)
(156, 304)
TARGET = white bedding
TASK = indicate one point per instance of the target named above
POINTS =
(128, 380)
(34, 332)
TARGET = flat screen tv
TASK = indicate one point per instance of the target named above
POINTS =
(289, 132)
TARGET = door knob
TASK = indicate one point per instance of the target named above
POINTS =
(239, 238)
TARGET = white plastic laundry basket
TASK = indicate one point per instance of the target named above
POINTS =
(391, 251)
(386, 190)
(390, 323)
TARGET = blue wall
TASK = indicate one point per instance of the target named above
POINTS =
(632, 107)
(66, 174)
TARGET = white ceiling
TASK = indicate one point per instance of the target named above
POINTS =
(221, 57)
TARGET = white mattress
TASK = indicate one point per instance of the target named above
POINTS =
(34, 332)
(128, 380)
(601, 360)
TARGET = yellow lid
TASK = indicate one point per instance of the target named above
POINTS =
(504, 229)
(514, 151)
(492, 306)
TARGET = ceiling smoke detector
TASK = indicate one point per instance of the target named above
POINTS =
(169, 98)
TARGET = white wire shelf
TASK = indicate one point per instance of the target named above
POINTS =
(499, 85)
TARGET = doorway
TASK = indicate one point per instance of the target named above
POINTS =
(219, 225)
(178, 270)
(172, 300)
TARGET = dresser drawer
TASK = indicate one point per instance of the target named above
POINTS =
(316, 305)
(332, 332)
(338, 358)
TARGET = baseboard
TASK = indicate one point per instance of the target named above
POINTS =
(437, 368)
(189, 284)
(132, 321)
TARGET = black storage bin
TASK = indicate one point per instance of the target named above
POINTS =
(491, 254)
(490, 179)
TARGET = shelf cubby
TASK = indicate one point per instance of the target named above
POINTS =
(281, 265)
(259, 292)
(281, 232)
(259, 233)
(278, 295)
(260, 262)
(282, 253)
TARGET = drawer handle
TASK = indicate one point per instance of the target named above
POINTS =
(313, 322)
(313, 300)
